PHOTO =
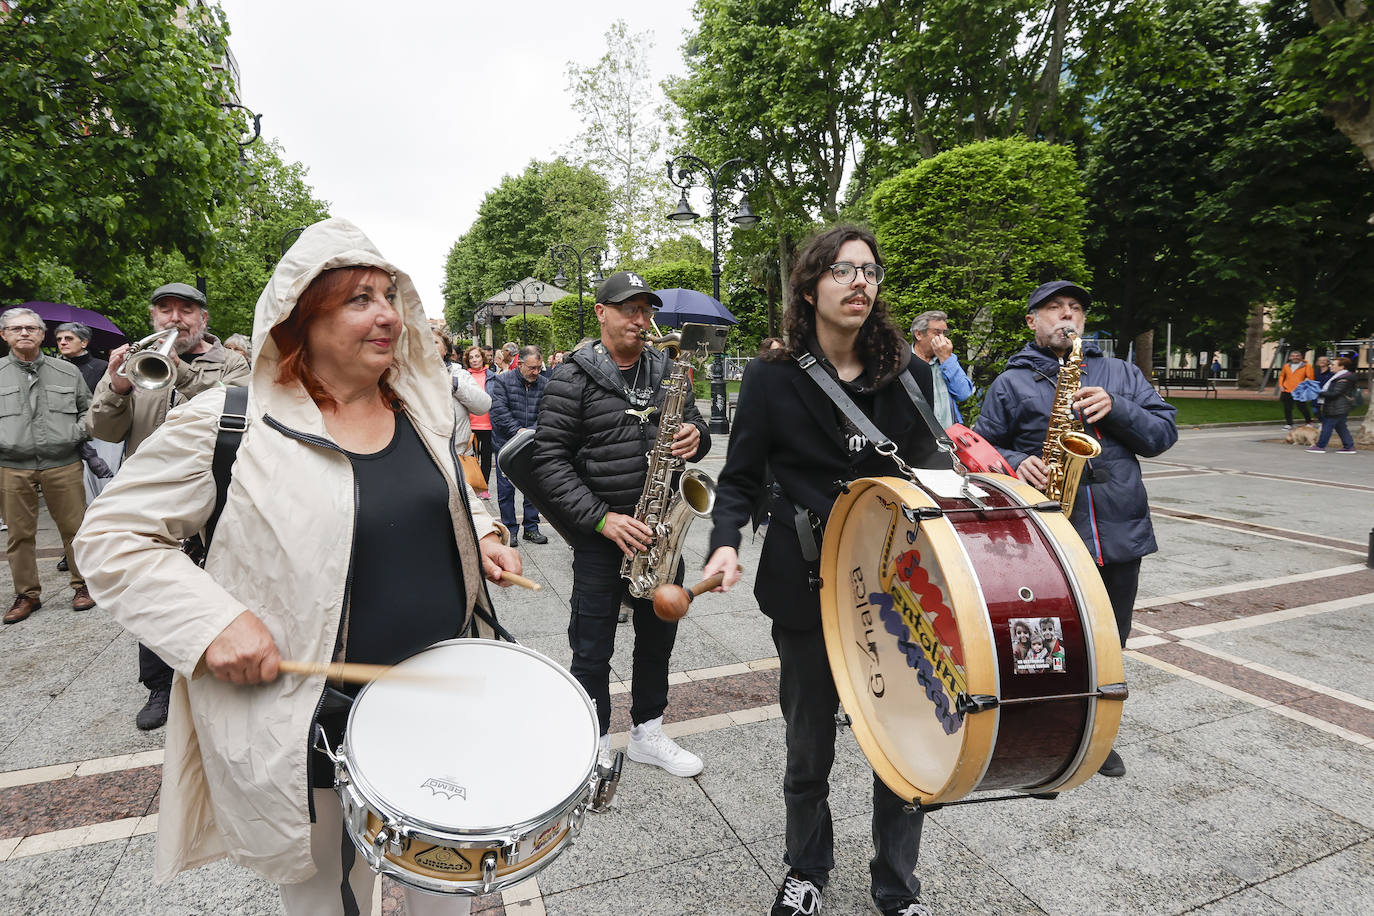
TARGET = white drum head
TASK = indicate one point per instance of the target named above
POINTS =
(512, 739)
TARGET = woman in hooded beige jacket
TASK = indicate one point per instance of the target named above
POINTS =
(275, 584)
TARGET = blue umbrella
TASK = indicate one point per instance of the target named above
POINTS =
(683, 306)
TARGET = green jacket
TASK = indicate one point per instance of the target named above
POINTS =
(43, 408)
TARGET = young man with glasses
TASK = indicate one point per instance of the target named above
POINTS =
(1118, 407)
(43, 404)
(786, 423)
(598, 420)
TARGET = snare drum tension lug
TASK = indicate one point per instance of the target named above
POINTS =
(488, 872)
(979, 702)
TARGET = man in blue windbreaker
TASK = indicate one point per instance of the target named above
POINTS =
(1118, 407)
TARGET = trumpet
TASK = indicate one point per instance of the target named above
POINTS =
(149, 362)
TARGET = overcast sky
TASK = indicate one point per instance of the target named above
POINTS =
(407, 112)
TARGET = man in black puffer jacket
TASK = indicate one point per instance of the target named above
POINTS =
(598, 421)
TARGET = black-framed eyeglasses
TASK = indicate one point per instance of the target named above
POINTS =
(843, 272)
(25, 329)
(630, 309)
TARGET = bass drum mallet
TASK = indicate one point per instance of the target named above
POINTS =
(671, 601)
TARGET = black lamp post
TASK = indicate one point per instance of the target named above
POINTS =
(687, 172)
(524, 302)
(563, 250)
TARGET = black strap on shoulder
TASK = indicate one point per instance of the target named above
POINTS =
(232, 423)
(812, 367)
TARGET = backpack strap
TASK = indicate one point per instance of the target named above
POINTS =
(232, 423)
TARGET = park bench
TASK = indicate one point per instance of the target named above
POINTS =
(1199, 378)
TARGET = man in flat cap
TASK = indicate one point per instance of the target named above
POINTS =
(1118, 407)
(121, 412)
(598, 420)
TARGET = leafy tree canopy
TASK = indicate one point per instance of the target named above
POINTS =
(972, 231)
(113, 136)
(518, 220)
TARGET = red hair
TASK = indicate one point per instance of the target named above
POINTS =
(326, 292)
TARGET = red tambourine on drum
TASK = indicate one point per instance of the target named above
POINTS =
(972, 643)
(976, 453)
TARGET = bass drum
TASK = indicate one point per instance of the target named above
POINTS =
(973, 648)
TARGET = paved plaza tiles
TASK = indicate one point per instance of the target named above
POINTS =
(1248, 738)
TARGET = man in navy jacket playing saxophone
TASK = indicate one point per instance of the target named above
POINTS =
(1119, 408)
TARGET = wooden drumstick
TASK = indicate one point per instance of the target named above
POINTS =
(516, 579)
(358, 673)
(671, 601)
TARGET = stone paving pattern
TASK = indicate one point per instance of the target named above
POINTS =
(1249, 740)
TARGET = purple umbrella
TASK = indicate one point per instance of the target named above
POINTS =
(681, 306)
(105, 335)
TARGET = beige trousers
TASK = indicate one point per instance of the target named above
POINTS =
(327, 895)
(65, 494)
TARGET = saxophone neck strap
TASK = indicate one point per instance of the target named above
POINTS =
(835, 391)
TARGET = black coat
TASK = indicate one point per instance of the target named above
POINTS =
(589, 454)
(1339, 397)
(786, 424)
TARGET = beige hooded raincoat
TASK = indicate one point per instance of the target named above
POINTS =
(234, 779)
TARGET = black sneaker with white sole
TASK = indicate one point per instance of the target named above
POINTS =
(798, 896)
(911, 907)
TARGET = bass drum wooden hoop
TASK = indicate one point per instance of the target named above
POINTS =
(925, 606)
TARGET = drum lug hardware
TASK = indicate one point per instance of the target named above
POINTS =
(1049, 505)
(607, 780)
(488, 872)
(929, 513)
(979, 702)
(575, 821)
(842, 720)
(322, 744)
(1113, 691)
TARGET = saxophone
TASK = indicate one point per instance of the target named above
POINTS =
(667, 511)
(1067, 447)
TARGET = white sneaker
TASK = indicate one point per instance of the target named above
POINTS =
(649, 745)
(605, 757)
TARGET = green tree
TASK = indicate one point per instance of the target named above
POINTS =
(532, 329)
(972, 231)
(1330, 69)
(516, 223)
(113, 136)
(622, 136)
(1176, 69)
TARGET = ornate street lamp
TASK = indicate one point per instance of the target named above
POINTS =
(737, 174)
(511, 287)
(563, 250)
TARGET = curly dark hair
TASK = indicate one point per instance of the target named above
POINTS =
(880, 345)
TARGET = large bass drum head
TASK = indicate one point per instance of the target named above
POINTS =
(907, 634)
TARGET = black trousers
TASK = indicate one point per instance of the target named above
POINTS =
(597, 589)
(153, 672)
(1121, 580)
(809, 704)
(1288, 403)
(484, 451)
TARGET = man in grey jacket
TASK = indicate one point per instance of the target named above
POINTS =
(43, 404)
(122, 413)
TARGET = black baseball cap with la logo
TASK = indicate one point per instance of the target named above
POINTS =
(625, 285)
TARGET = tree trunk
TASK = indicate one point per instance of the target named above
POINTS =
(1145, 353)
(785, 254)
(1353, 114)
(1251, 372)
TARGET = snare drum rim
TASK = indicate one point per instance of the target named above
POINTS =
(492, 834)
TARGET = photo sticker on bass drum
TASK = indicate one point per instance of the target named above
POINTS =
(1037, 645)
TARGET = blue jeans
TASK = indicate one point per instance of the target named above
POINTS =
(505, 498)
(597, 588)
(1338, 425)
(809, 704)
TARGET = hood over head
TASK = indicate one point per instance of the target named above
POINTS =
(417, 375)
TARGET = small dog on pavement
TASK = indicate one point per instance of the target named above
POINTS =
(1305, 436)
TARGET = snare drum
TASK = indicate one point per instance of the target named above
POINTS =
(927, 604)
(470, 790)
